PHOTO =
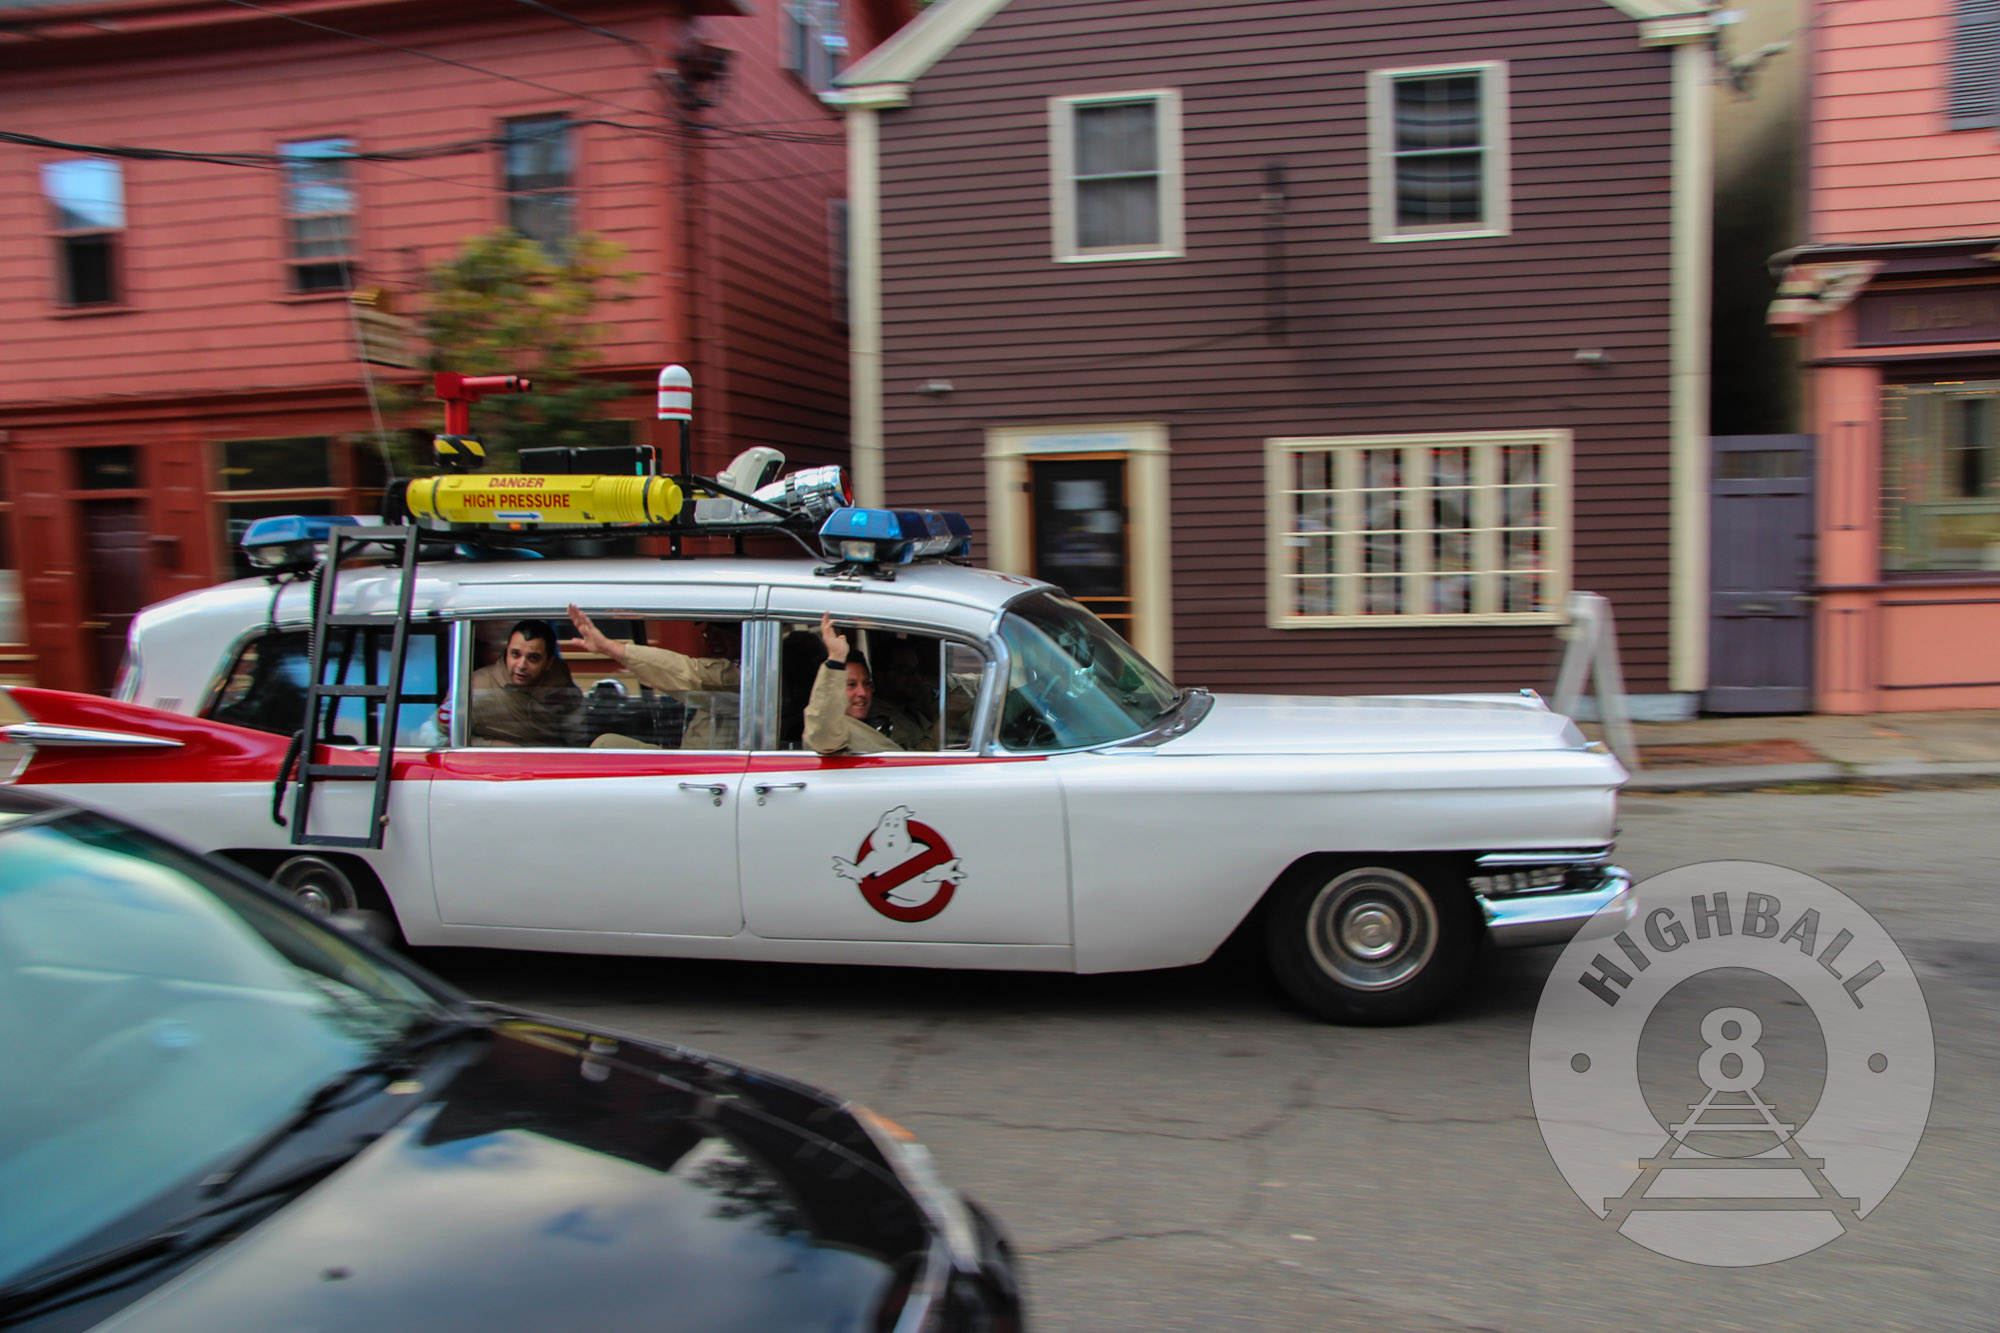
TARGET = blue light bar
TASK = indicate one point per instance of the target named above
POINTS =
(894, 536)
(287, 541)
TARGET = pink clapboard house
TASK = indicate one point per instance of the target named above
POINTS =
(1897, 295)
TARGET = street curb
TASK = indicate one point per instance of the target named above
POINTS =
(1888, 773)
(1735, 778)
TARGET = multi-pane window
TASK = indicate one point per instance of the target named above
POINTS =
(1418, 528)
(319, 213)
(1438, 139)
(539, 166)
(1941, 476)
(87, 210)
(1116, 176)
(815, 42)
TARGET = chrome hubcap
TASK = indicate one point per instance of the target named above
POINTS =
(1371, 932)
(314, 898)
(1372, 928)
(316, 885)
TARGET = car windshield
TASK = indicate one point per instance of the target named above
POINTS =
(157, 1016)
(1072, 681)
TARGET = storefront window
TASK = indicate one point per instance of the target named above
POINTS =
(306, 474)
(1941, 477)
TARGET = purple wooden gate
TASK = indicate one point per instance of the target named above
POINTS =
(1761, 572)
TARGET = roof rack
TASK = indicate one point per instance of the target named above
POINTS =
(564, 494)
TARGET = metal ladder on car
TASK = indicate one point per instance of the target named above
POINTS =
(336, 641)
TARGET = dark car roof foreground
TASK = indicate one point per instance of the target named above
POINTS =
(549, 1176)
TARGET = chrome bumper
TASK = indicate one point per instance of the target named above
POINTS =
(1519, 920)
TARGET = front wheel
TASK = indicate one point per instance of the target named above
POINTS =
(1370, 944)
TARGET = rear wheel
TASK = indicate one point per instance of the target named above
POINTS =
(316, 884)
(1370, 943)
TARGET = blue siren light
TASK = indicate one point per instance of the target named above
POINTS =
(288, 541)
(894, 536)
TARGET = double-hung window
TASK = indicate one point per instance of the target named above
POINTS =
(540, 179)
(319, 214)
(815, 42)
(1418, 529)
(1115, 176)
(87, 208)
(1438, 153)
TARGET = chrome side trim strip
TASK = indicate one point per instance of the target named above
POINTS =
(43, 733)
(1586, 856)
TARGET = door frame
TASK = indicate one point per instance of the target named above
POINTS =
(1131, 615)
(1144, 447)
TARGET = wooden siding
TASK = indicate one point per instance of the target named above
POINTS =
(209, 346)
(1886, 166)
(204, 249)
(1420, 336)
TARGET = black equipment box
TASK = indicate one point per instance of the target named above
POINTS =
(626, 460)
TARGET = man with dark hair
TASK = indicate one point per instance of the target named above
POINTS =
(843, 696)
(906, 698)
(527, 698)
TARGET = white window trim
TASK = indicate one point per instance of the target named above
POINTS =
(1062, 176)
(1277, 510)
(1495, 137)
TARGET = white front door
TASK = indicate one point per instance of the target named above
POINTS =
(932, 847)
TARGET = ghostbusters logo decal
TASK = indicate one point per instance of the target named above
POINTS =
(904, 869)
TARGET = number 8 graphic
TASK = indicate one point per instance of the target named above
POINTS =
(1743, 1045)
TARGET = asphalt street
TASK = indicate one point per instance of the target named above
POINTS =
(1180, 1150)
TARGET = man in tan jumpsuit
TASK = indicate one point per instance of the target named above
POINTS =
(527, 698)
(707, 683)
(841, 697)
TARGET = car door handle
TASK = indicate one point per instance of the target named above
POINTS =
(764, 789)
(714, 789)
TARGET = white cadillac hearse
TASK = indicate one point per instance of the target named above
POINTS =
(1052, 802)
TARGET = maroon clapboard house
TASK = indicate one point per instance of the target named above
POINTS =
(194, 190)
(1321, 345)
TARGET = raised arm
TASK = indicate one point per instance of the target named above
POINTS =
(590, 639)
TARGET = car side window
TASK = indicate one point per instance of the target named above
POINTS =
(678, 688)
(361, 657)
(266, 686)
(922, 688)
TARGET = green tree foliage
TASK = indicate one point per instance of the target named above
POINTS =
(504, 305)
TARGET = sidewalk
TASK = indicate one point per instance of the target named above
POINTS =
(1883, 749)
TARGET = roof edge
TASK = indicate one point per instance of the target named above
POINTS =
(910, 53)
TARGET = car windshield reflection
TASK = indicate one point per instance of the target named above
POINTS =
(159, 1017)
(1072, 682)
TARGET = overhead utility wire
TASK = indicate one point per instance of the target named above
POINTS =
(587, 26)
(442, 60)
(269, 161)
